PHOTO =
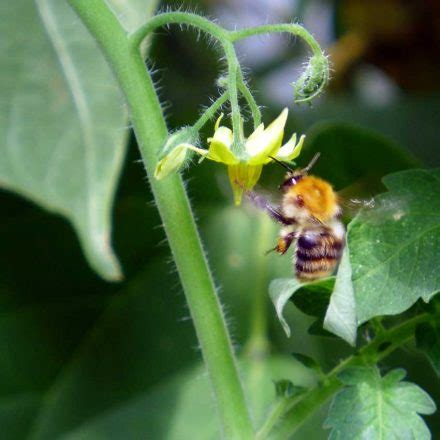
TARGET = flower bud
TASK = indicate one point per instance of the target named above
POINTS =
(313, 80)
(174, 153)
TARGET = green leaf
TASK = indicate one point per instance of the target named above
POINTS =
(428, 341)
(16, 413)
(280, 291)
(353, 155)
(394, 247)
(62, 119)
(378, 407)
(312, 297)
(340, 317)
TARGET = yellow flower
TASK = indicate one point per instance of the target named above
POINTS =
(260, 146)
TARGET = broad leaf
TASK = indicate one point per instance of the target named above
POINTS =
(428, 341)
(340, 317)
(62, 119)
(394, 247)
(375, 407)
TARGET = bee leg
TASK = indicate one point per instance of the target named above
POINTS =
(263, 204)
(285, 242)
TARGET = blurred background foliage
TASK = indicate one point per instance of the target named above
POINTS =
(86, 359)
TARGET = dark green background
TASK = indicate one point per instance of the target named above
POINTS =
(73, 346)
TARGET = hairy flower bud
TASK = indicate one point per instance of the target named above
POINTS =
(175, 152)
(313, 80)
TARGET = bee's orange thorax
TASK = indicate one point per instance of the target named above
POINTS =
(318, 197)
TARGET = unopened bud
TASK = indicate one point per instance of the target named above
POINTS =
(313, 80)
(175, 152)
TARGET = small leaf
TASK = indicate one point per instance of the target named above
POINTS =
(280, 291)
(378, 407)
(340, 317)
(311, 298)
(285, 388)
(428, 341)
(394, 247)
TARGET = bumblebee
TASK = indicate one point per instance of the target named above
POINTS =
(310, 217)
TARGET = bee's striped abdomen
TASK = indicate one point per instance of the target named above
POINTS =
(317, 253)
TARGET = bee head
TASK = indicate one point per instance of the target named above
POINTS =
(291, 179)
(294, 176)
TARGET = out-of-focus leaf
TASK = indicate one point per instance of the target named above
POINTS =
(419, 136)
(340, 317)
(127, 352)
(378, 407)
(237, 241)
(62, 120)
(394, 247)
(16, 414)
(171, 411)
(352, 155)
(428, 341)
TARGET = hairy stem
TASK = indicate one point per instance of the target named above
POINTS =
(243, 89)
(296, 411)
(223, 38)
(172, 202)
(290, 28)
(210, 112)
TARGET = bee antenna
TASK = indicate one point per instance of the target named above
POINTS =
(311, 163)
(282, 164)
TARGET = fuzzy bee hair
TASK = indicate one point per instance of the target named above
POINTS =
(309, 213)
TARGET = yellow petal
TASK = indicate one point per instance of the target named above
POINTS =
(243, 177)
(264, 143)
(220, 146)
(174, 160)
(257, 132)
(291, 150)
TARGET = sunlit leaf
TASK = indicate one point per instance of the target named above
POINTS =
(375, 407)
(394, 247)
(340, 317)
(312, 301)
(62, 119)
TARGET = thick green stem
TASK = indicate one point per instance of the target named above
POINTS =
(299, 409)
(175, 211)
